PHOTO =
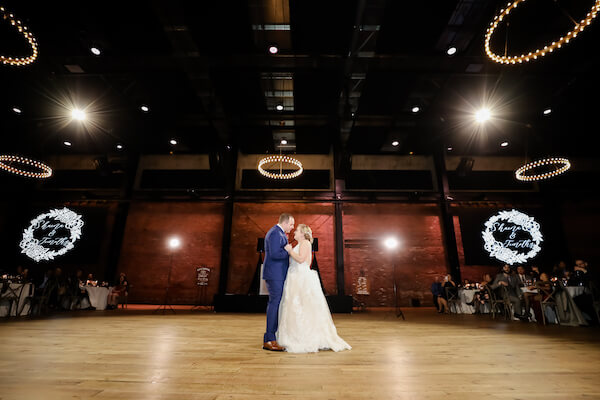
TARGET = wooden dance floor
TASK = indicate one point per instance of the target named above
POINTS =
(132, 354)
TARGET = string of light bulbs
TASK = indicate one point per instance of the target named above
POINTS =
(563, 163)
(281, 159)
(6, 162)
(19, 61)
(533, 55)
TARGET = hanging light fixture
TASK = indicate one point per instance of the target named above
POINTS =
(561, 166)
(281, 160)
(7, 162)
(19, 61)
(549, 48)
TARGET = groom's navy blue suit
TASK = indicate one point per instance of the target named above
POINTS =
(275, 270)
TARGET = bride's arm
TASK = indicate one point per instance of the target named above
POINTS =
(303, 253)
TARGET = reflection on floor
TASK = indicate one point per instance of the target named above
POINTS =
(135, 354)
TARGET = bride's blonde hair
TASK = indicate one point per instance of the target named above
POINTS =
(306, 231)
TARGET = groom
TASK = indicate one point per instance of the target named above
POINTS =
(274, 272)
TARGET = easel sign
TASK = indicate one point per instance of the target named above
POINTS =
(202, 276)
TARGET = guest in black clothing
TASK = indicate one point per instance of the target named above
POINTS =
(506, 286)
(77, 290)
(439, 296)
(535, 272)
(580, 276)
(482, 296)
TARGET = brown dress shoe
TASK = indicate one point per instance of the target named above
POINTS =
(273, 346)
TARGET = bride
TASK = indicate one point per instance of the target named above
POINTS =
(305, 324)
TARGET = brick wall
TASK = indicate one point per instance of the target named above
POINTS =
(252, 221)
(145, 256)
(418, 259)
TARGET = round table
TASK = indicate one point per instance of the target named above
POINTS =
(98, 296)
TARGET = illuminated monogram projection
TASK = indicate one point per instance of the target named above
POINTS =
(51, 234)
(512, 237)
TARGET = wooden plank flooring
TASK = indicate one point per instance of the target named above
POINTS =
(135, 355)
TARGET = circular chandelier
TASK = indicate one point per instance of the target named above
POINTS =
(562, 165)
(281, 159)
(18, 61)
(533, 55)
(6, 162)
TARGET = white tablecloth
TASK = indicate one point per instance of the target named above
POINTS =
(466, 296)
(575, 291)
(98, 296)
(19, 288)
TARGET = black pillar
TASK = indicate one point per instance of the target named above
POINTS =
(339, 250)
(446, 221)
(225, 247)
(228, 171)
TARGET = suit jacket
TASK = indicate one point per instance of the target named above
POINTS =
(277, 260)
(526, 277)
(513, 283)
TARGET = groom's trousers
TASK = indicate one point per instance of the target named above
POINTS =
(275, 288)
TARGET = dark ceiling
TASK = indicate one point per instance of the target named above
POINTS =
(348, 73)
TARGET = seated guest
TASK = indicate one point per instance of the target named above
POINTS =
(439, 296)
(25, 278)
(19, 272)
(559, 269)
(482, 295)
(119, 290)
(466, 283)
(585, 301)
(47, 277)
(522, 277)
(580, 276)
(535, 272)
(506, 286)
(58, 289)
(90, 280)
(77, 289)
(544, 288)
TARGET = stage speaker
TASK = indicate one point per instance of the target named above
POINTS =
(260, 245)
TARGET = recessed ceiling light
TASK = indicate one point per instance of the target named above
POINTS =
(395, 143)
(283, 141)
(279, 107)
(450, 148)
(273, 49)
(504, 144)
(67, 143)
(451, 51)
(95, 51)
(119, 147)
(173, 142)
(416, 109)
(78, 114)
(144, 108)
(482, 115)
(547, 111)
(16, 110)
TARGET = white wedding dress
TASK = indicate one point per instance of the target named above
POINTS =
(305, 324)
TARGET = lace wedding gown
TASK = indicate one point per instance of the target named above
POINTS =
(305, 324)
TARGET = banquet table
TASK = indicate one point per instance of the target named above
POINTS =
(98, 296)
(20, 289)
